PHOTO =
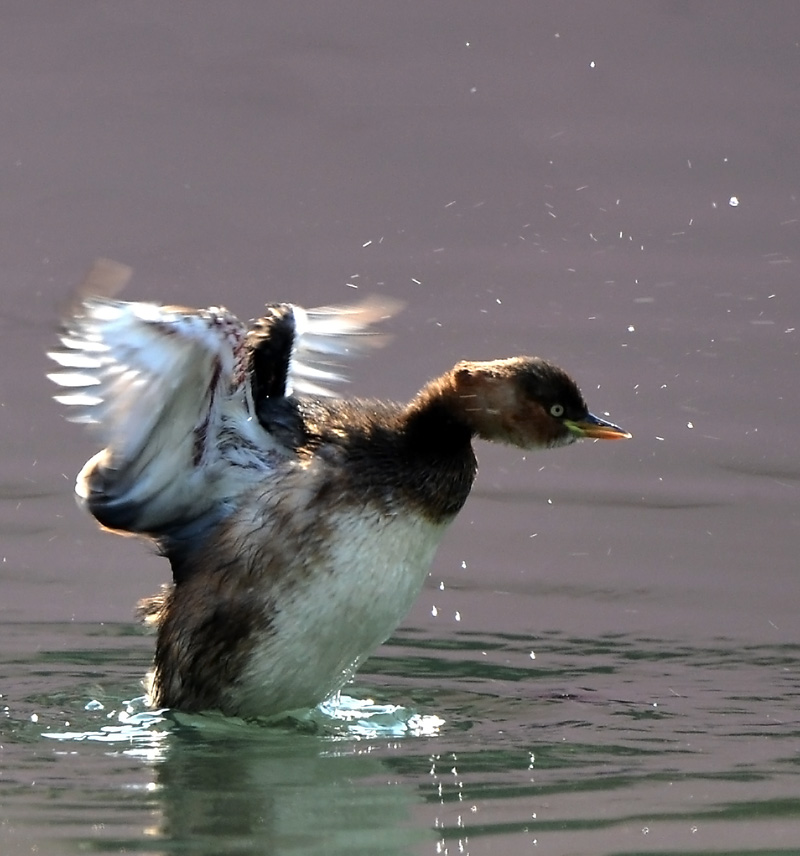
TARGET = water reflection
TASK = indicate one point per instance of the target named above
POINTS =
(267, 790)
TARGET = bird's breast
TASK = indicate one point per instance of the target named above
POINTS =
(351, 590)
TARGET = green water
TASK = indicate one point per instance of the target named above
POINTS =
(470, 747)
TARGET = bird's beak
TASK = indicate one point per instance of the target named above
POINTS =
(592, 428)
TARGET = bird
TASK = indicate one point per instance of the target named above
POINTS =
(299, 525)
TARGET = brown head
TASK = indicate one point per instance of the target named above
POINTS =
(523, 401)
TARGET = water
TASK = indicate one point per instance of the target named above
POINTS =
(605, 657)
(619, 744)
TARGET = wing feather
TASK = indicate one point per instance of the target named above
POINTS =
(130, 367)
(151, 382)
(165, 389)
(326, 334)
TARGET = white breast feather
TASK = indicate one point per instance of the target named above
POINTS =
(324, 630)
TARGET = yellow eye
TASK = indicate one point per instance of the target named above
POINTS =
(557, 410)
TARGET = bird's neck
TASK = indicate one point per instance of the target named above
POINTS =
(467, 401)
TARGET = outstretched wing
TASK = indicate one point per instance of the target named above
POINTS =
(133, 368)
(152, 381)
(296, 351)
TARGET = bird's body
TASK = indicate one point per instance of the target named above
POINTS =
(300, 527)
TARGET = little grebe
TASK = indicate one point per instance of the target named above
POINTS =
(299, 527)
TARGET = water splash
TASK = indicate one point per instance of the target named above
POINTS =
(341, 717)
(344, 716)
(142, 729)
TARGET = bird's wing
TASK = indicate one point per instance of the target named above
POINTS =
(296, 351)
(170, 391)
(135, 370)
(152, 382)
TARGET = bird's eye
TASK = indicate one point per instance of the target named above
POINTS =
(557, 410)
